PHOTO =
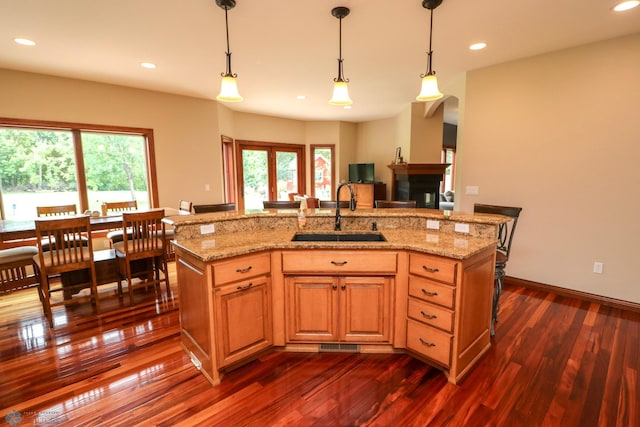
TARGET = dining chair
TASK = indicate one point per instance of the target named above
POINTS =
(57, 211)
(218, 207)
(17, 269)
(141, 254)
(395, 204)
(505, 239)
(67, 255)
(281, 204)
(332, 204)
(116, 236)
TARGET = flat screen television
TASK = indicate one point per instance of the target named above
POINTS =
(362, 172)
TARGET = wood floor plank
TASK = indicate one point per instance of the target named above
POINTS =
(555, 361)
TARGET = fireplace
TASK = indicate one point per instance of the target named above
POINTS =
(419, 182)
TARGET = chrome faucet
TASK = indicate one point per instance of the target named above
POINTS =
(352, 204)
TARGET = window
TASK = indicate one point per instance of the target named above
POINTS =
(268, 171)
(52, 163)
(323, 171)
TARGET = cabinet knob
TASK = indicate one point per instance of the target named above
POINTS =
(334, 287)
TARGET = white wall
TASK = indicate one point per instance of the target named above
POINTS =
(558, 135)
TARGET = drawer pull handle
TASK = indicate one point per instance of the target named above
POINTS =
(428, 316)
(428, 293)
(427, 343)
(242, 288)
(244, 270)
(339, 263)
(429, 269)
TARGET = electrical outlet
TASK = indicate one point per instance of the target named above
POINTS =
(433, 224)
(461, 228)
(598, 267)
(472, 190)
(207, 229)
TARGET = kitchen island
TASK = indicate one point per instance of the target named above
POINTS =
(246, 287)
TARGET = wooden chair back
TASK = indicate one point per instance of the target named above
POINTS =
(505, 231)
(56, 210)
(281, 204)
(395, 204)
(70, 251)
(16, 268)
(332, 204)
(146, 234)
(120, 206)
(219, 207)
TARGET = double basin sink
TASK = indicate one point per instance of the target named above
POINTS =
(338, 237)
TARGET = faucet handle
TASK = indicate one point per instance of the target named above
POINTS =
(374, 226)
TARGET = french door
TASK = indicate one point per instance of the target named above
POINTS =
(268, 171)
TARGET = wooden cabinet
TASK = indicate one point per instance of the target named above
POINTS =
(330, 299)
(449, 309)
(225, 310)
(338, 309)
(365, 194)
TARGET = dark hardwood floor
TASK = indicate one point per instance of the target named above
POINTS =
(555, 361)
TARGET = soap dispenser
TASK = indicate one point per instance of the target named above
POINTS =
(302, 219)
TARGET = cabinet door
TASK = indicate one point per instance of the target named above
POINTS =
(365, 307)
(312, 308)
(243, 319)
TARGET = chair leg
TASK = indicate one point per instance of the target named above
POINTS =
(43, 290)
(497, 291)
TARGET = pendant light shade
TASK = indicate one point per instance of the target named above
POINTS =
(340, 87)
(429, 90)
(229, 84)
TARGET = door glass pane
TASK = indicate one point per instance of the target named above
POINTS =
(115, 168)
(255, 177)
(322, 169)
(37, 168)
(286, 173)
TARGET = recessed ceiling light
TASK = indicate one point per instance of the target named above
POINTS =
(626, 5)
(478, 46)
(24, 42)
(301, 97)
(148, 65)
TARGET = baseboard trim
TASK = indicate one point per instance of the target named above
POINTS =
(585, 296)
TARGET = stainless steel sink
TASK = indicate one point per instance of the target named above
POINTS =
(338, 237)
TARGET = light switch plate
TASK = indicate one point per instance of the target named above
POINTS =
(433, 224)
(472, 190)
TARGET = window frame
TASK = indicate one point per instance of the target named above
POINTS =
(312, 166)
(76, 130)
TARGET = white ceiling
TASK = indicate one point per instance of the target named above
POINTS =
(284, 49)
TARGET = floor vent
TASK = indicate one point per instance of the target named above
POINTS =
(345, 348)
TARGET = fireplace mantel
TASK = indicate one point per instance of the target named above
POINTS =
(419, 182)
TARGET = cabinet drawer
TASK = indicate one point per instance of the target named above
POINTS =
(433, 267)
(339, 262)
(432, 292)
(429, 342)
(430, 314)
(241, 268)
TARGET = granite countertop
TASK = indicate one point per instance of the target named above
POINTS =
(214, 247)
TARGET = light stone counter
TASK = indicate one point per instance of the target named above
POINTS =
(253, 231)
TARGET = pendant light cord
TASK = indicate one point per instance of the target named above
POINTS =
(430, 53)
(340, 77)
(228, 73)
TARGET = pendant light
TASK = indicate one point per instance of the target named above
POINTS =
(340, 88)
(429, 90)
(228, 85)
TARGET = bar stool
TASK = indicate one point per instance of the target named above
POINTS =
(332, 204)
(280, 204)
(395, 204)
(217, 207)
(505, 239)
